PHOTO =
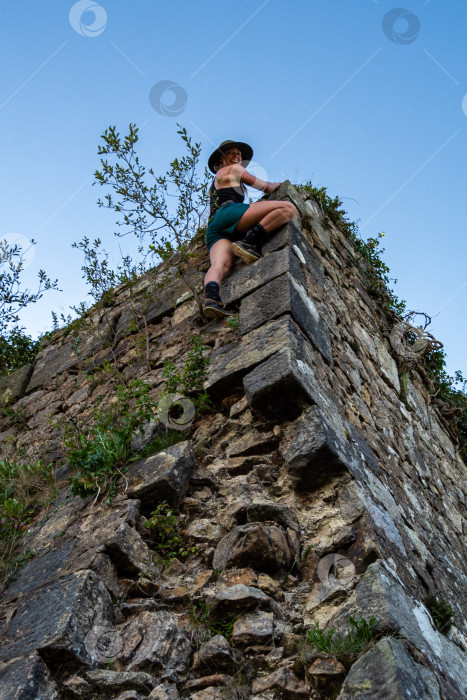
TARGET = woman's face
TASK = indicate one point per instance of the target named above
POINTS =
(232, 155)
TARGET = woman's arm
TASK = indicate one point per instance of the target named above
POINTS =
(252, 181)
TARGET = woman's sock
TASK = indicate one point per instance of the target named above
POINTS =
(257, 236)
(212, 291)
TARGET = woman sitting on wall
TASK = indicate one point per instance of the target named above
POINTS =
(236, 228)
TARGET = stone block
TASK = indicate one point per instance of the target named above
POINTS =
(162, 477)
(51, 361)
(289, 252)
(240, 598)
(265, 511)
(165, 645)
(105, 681)
(388, 672)
(308, 210)
(282, 386)
(129, 553)
(13, 386)
(312, 449)
(56, 618)
(286, 295)
(231, 362)
(216, 653)
(257, 545)
(255, 628)
(291, 236)
(283, 681)
(27, 678)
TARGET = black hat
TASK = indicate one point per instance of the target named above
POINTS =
(214, 158)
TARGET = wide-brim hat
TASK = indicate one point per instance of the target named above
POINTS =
(214, 158)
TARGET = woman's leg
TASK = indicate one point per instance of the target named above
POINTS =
(221, 261)
(258, 222)
(270, 215)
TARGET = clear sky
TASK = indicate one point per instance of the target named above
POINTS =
(362, 96)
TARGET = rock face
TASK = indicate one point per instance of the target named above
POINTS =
(318, 487)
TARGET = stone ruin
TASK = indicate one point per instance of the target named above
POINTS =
(319, 488)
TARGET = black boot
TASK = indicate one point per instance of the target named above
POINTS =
(213, 306)
(249, 249)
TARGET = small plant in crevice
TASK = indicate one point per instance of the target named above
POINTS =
(189, 379)
(441, 613)
(167, 539)
(347, 648)
(24, 490)
(205, 628)
(101, 447)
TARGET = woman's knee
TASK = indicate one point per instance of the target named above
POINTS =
(291, 209)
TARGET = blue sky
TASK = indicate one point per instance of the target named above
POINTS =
(364, 97)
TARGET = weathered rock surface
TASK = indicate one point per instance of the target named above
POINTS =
(254, 629)
(162, 477)
(310, 448)
(57, 618)
(27, 678)
(387, 672)
(165, 646)
(286, 295)
(216, 654)
(13, 386)
(284, 681)
(263, 547)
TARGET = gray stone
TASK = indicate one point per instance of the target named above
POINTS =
(13, 386)
(264, 511)
(382, 595)
(162, 477)
(27, 678)
(216, 655)
(164, 691)
(56, 618)
(288, 251)
(308, 210)
(241, 598)
(256, 545)
(285, 295)
(312, 449)
(114, 681)
(283, 385)
(129, 553)
(284, 681)
(387, 672)
(231, 362)
(165, 645)
(255, 628)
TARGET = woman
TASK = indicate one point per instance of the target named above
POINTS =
(236, 228)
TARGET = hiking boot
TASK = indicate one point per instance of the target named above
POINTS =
(247, 252)
(216, 309)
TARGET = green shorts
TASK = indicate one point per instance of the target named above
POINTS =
(224, 223)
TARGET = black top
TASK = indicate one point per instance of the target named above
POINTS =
(225, 194)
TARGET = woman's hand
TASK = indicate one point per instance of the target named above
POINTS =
(271, 187)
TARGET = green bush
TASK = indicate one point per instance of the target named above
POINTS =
(441, 612)
(346, 647)
(100, 451)
(167, 539)
(16, 350)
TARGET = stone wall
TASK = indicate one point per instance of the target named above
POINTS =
(317, 489)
